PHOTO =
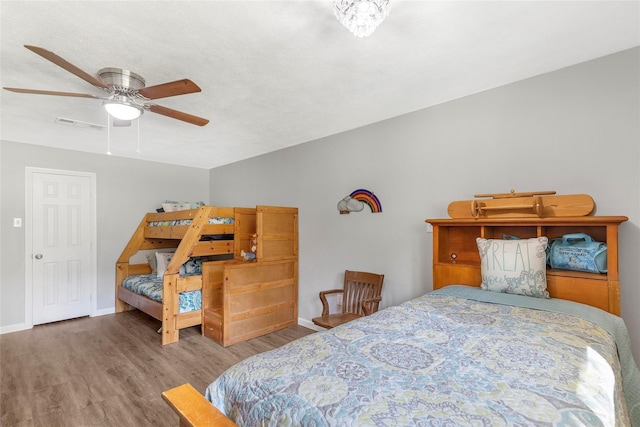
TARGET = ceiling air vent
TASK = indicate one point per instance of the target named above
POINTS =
(78, 123)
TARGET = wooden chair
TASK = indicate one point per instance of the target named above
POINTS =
(361, 296)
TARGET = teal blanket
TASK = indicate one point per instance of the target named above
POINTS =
(610, 323)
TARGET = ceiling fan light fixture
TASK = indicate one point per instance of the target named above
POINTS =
(122, 110)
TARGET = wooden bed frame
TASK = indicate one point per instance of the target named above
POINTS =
(274, 248)
(456, 261)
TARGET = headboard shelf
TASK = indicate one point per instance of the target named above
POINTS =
(456, 259)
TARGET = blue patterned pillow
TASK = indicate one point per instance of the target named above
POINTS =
(514, 266)
(191, 267)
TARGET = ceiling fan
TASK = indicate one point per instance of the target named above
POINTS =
(127, 95)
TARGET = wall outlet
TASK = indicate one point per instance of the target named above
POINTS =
(17, 222)
(429, 228)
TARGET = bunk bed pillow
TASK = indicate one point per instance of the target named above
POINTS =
(153, 263)
(191, 267)
(514, 266)
(162, 260)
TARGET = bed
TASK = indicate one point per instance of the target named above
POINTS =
(205, 237)
(456, 356)
(459, 355)
(197, 274)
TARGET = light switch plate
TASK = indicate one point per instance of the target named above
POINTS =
(17, 222)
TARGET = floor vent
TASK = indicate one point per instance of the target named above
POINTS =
(78, 123)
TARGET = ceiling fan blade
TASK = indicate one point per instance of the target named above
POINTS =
(67, 66)
(179, 87)
(49, 92)
(179, 115)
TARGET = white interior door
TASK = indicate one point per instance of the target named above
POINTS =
(61, 259)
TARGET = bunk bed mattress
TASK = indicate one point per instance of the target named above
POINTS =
(173, 222)
(445, 358)
(150, 286)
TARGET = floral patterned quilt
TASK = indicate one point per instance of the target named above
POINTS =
(437, 360)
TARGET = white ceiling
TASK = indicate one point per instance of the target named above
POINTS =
(279, 73)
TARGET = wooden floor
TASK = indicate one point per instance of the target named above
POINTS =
(109, 370)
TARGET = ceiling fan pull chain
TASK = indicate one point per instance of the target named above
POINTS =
(108, 134)
(138, 129)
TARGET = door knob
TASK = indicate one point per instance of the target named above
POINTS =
(38, 256)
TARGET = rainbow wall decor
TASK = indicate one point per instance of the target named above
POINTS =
(368, 198)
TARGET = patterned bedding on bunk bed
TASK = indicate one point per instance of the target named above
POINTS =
(213, 220)
(150, 286)
(456, 356)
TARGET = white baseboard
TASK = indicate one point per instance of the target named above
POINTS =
(104, 312)
(23, 326)
(309, 324)
(14, 328)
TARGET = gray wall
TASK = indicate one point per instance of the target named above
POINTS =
(576, 130)
(126, 190)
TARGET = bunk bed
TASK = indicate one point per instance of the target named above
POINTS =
(202, 246)
(458, 355)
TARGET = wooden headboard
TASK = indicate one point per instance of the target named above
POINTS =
(456, 259)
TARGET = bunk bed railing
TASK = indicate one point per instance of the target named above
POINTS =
(178, 231)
